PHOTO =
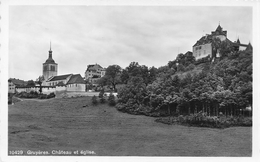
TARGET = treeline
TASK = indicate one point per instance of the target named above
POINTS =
(220, 87)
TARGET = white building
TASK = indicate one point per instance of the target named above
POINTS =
(203, 47)
(94, 72)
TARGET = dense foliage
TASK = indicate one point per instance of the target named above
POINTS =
(223, 86)
(112, 76)
(34, 94)
(94, 100)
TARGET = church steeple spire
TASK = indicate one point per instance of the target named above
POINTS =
(50, 52)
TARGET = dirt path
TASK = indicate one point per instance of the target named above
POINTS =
(73, 124)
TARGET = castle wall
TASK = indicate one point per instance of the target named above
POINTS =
(202, 51)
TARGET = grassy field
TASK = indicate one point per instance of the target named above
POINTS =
(74, 124)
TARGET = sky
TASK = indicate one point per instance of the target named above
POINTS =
(108, 35)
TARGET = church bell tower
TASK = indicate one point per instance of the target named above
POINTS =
(50, 68)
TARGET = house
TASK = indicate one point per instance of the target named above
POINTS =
(11, 87)
(94, 72)
(15, 83)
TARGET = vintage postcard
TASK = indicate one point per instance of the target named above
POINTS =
(116, 80)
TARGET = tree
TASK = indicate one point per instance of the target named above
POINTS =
(94, 100)
(112, 75)
(124, 76)
(111, 100)
(30, 83)
(39, 81)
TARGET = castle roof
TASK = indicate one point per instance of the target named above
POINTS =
(219, 31)
(238, 41)
(219, 28)
(76, 79)
(208, 38)
(204, 40)
(249, 46)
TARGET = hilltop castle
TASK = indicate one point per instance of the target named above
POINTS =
(204, 46)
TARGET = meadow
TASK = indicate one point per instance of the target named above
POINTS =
(71, 124)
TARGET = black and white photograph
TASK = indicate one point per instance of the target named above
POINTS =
(143, 80)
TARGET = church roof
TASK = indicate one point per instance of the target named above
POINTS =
(50, 61)
(60, 77)
(76, 79)
(60, 84)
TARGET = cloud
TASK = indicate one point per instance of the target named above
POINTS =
(107, 35)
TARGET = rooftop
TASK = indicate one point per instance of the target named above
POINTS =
(76, 79)
(60, 77)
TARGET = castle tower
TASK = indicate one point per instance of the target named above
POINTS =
(219, 33)
(50, 68)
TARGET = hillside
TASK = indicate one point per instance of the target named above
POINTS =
(197, 69)
(187, 86)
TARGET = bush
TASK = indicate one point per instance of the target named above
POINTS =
(202, 120)
(190, 67)
(51, 95)
(42, 96)
(111, 100)
(102, 100)
(45, 96)
(101, 93)
(94, 100)
(10, 98)
(32, 94)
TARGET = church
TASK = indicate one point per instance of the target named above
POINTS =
(69, 82)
